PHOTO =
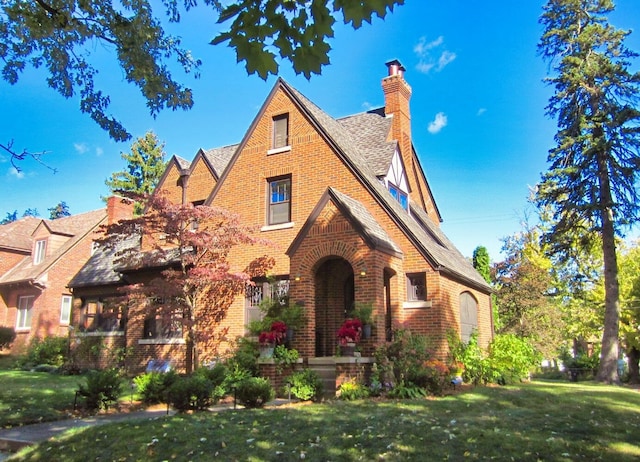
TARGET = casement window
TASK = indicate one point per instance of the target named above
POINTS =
(65, 309)
(257, 293)
(105, 315)
(279, 200)
(39, 251)
(280, 131)
(416, 287)
(399, 195)
(163, 321)
(25, 312)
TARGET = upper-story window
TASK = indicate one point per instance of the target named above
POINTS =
(279, 200)
(416, 287)
(40, 251)
(399, 195)
(280, 131)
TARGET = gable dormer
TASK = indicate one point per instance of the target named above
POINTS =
(396, 181)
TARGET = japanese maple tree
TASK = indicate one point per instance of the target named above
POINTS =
(188, 247)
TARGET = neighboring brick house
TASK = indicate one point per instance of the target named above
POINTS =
(351, 217)
(38, 258)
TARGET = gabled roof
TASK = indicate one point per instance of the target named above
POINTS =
(17, 234)
(101, 268)
(365, 224)
(219, 158)
(76, 226)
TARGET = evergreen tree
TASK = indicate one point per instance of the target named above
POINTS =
(10, 217)
(594, 166)
(59, 211)
(482, 263)
(145, 166)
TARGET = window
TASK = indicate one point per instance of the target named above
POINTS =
(25, 311)
(279, 200)
(65, 309)
(280, 131)
(105, 315)
(399, 195)
(39, 254)
(416, 287)
(163, 322)
(261, 290)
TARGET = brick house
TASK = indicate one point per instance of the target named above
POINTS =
(38, 258)
(352, 219)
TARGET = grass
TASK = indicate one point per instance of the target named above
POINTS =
(548, 421)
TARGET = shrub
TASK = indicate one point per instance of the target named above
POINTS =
(49, 350)
(432, 376)
(190, 393)
(244, 356)
(255, 392)
(102, 388)
(284, 357)
(352, 390)
(402, 359)
(407, 391)
(7, 336)
(217, 375)
(153, 386)
(512, 358)
(305, 385)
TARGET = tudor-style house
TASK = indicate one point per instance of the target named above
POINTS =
(352, 219)
(38, 258)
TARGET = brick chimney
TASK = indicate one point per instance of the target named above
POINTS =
(119, 208)
(397, 94)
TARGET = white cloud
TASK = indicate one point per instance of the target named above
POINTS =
(80, 148)
(99, 152)
(14, 172)
(438, 123)
(427, 52)
(481, 111)
(367, 106)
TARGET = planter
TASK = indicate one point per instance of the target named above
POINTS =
(266, 351)
(366, 331)
(348, 349)
(289, 335)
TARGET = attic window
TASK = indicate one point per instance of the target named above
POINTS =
(399, 195)
(280, 132)
(40, 250)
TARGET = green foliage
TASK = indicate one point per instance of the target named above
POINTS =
(364, 312)
(352, 390)
(59, 211)
(255, 392)
(512, 358)
(7, 336)
(284, 357)
(194, 393)
(145, 166)
(153, 386)
(407, 390)
(402, 358)
(218, 376)
(102, 388)
(305, 384)
(482, 262)
(49, 350)
(244, 356)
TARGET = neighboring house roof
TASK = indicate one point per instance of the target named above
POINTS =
(76, 226)
(101, 268)
(17, 234)
(219, 157)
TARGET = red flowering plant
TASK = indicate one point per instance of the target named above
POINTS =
(275, 336)
(350, 331)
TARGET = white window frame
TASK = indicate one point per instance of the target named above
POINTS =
(40, 251)
(25, 312)
(66, 303)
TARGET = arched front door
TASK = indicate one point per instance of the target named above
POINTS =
(334, 297)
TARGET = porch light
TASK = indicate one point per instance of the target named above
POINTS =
(363, 272)
(297, 277)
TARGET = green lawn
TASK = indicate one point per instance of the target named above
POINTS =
(550, 421)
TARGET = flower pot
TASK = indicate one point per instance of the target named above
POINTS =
(348, 349)
(266, 351)
(366, 330)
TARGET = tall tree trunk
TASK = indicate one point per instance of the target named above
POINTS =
(608, 371)
(633, 355)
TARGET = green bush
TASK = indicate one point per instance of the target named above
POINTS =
(7, 336)
(49, 350)
(512, 358)
(352, 390)
(244, 356)
(153, 386)
(217, 375)
(190, 393)
(102, 388)
(407, 391)
(305, 385)
(284, 357)
(255, 392)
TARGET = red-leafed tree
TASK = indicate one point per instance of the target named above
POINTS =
(187, 247)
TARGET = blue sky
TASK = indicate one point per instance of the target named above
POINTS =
(477, 110)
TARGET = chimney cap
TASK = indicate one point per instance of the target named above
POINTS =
(395, 67)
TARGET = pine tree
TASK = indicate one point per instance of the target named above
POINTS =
(59, 211)
(594, 166)
(145, 166)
